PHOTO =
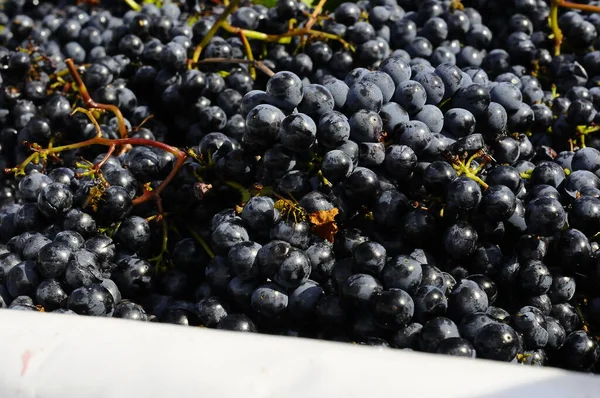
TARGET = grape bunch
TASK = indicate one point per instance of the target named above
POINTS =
(405, 174)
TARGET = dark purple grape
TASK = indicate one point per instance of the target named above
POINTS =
(411, 96)
(545, 216)
(497, 341)
(285, 90)
(238, 323)
(129, 310)
(579, 351)
(92, 300)
(297, 132)
(270, 300)
(435, 331)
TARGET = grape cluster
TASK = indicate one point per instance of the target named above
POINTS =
(410, 174)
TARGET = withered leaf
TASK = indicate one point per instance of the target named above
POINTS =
(323, 223)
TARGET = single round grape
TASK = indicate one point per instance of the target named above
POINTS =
(285, 90)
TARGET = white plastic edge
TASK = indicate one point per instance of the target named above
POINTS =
(66, 356)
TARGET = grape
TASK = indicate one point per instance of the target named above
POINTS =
(435, 331)
(411, 96)
(498, 203)
(496, 118)
(430, 302)
(393, 308)
(133, 234)
(364, 95)
(262, 124)
(383, 81)
(339, 91)
(472, 324)
(579, 351)
(545, 216)
(129, 310)
(404, 31)
(460, 240)
(474, 98)
(433, 85)
(347, 13)
(173, 57)
(355, 75)
(333, 129)
(285, 90)
(294, 270)
(362, 185)
(432, 117)
(497, 341)
(92, 300)
(400, 161)
(396, 68)
(414, 134)
(297, 132)
(317, 101)
(336, 166)
(459, 122)
(54, 199)
(31, 185)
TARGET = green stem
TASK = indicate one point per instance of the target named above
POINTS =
(243, 191)
(558, 36)
(526, 174)
(249, 54)
(133, 5)
(202, 242)
(217, 25)
(461, 169)
(286, 38)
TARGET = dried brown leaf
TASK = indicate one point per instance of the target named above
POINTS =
(323, 223)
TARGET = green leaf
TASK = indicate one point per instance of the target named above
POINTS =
(331, 5)
(266, 3)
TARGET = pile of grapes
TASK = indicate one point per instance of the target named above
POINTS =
(407, 174)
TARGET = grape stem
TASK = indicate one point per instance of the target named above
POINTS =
(526, 174)
(583, 131)
(66, 71)
(243, 191)
(556, 31)
(257, 64)
(213, 30)
(89, 103)
(133, 5)
(42, 153)
(202, 242)
(286, 37)
(249, 54)
(464, 168)
(304, 31)
(160, 216)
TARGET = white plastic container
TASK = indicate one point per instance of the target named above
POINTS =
(65, 356)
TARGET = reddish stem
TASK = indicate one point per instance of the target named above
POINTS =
(577, 6)
(155, 193)
(112, 143)
(315, 14)
(90, 103)
(110, 151)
